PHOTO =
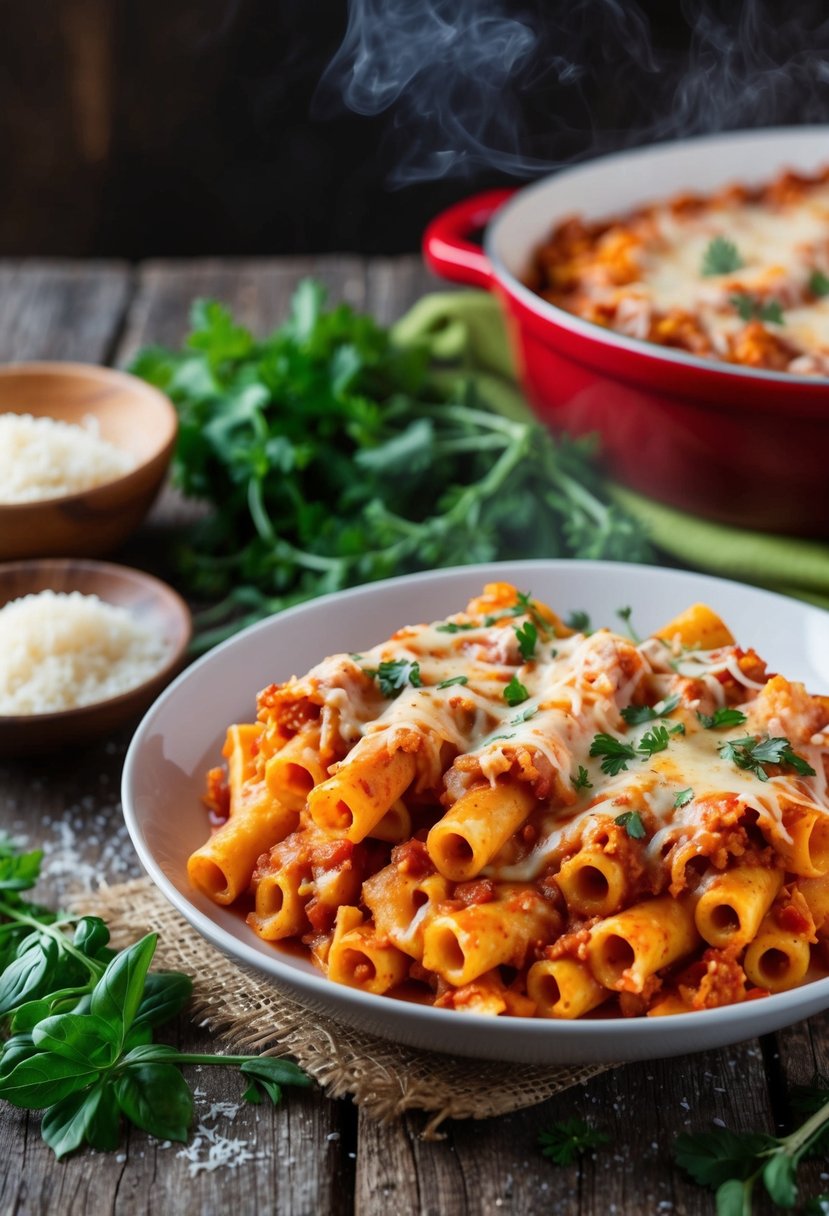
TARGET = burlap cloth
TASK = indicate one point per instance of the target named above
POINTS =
(249, 1012)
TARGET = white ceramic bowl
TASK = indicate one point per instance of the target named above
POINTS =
(181, 736)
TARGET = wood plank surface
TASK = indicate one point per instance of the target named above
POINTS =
(313, 1155)
(62, 310)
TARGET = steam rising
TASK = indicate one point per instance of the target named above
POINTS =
(472, 84)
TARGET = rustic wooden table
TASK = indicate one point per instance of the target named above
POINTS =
(313, 1155)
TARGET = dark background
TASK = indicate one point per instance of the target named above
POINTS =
(143, 127)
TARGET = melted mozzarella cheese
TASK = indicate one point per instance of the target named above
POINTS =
(573, 689)
(780, 247)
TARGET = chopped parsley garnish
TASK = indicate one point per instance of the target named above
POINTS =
(615, 754)
(524, 606)
(724, 716)
(683, 797)
(819, 283)
(582, 781)
(721, 257)
(394, 674)
(631, 821)
(529, 606)
(579, 621)
(452, 681)
(624, 614)
(655, 740)
(750, 309)
(635, 715)
(515, 692)
(524, 716)
(751, 753)
(568, 1139)
(456, 626)
(527, 635)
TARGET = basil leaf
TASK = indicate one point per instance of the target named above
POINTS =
(140, 1034)
(118, 993)
(43, 1079)
(18, 1047)
(27, 978)
(91, 935)
(27, 1016)
(104, 1128)
(165, 995)
(84, 1037)
(146, 1053)
(156, 1098)
(20, 872)
(66, 1124)
(281, 1072)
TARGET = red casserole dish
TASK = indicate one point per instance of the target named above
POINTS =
(738, 444)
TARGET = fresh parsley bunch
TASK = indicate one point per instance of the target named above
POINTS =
(731, 1163)
(81, 1019)
(332, 457)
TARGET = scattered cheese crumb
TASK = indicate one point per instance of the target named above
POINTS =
(59, 651)
(45, 458)
(221, 1151)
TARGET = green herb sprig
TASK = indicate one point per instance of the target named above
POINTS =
(721, 257)
(722, 717)
(333, 456)
(616, 753)
(582, 781)
(819, 283)
(568, 1139)
(635, 715)
(625, 614)
(81, 1018)
(752, 752)
(393, 675)
(527, 635)
(515, 692)
(732, 1163)
(633, 824)
(749, 308)
(579, 621)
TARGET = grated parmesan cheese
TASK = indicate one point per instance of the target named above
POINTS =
(62, 650)
(45, 458)
(210, 1149)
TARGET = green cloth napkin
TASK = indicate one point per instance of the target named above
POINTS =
(465, 329)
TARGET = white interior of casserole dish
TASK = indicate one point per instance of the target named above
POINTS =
(612, 185)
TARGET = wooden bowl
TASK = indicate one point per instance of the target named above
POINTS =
(145, 597)
(131, 415)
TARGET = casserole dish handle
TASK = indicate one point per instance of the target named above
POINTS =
(447, 248)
